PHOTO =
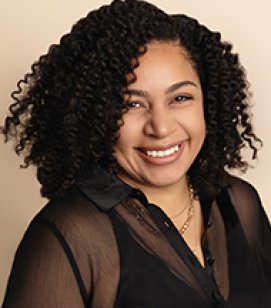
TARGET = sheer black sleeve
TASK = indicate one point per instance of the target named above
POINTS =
(68, 258)
(254, 222)
(265, 244)
(44, 273)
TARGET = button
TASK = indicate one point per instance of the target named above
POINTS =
(210, 260)
(166, 224)
(209, 224)
(137, 193)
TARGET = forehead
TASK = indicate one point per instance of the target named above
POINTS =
(164, 47)
(164, 61)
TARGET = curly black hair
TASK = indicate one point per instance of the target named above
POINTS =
(67, 112)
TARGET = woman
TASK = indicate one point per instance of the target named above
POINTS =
(132, 121)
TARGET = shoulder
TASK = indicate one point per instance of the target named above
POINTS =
(78, 220)
(247, 204)
(79, 229)
(242, 192)
(240, 185)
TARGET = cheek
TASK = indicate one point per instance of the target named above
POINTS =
(120, 145)
(130, 132)
(200, 125)
(125, 139)
(120, 151)
(199, 118)
(200, 129)
(194, 123)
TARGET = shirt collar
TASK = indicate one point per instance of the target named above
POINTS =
(106, 191)
(102, 188)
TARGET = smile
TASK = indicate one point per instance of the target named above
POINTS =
(164, 153)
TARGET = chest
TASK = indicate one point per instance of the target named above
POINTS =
(149, 279)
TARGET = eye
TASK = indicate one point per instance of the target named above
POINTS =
(182, 98)
(134, 104)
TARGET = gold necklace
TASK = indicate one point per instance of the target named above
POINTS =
(190, 212)
(183, 209)
(139, 212)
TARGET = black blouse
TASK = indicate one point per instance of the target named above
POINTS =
(103, 245)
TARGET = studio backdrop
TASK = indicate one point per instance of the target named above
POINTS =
(27, 28)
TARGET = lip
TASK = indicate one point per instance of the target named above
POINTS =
(161, 160)
(159, 148)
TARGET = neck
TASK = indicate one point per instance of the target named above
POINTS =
(171, 199)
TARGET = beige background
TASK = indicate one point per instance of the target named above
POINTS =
(28, 27)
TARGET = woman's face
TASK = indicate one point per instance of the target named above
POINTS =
(164, 128)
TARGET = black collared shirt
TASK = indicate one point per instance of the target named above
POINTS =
(103, 245)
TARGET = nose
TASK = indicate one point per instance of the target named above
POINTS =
(160, 123)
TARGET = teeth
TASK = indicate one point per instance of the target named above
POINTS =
(163, 153)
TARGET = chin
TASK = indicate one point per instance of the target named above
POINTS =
(163, 180)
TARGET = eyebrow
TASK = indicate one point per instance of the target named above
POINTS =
(180, 84)
(170, 89)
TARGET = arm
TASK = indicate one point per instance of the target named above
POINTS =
(254, 221)
(44, 272)
(265, 244)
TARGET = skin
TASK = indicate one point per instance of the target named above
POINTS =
(159, 117)
(165, 110)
